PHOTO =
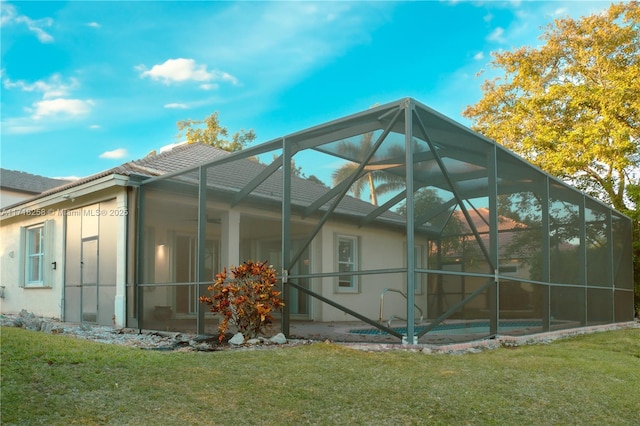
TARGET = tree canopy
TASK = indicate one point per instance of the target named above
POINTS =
(214, 134)
(572, 107)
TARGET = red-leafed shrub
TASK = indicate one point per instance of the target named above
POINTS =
(246, 300)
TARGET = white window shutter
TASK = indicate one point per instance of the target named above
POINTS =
(48, 258)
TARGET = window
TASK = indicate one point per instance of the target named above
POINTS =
(34, 255)
(35, 260)
(508, 269)
(347, 262)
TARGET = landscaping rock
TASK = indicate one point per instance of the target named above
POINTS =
(278, 339)
(205, 338)
(50, 327)
(237, 339)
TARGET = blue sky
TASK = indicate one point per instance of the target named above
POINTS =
(90, 85)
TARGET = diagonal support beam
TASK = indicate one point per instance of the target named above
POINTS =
(347, 310)
(456, 194)
(456, 307)
(268, 171)
(383, 208)
(341, 195)
(329, 195)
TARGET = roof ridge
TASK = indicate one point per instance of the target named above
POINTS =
(173, 151)
(34, 175)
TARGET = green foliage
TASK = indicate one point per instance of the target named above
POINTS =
(214, 134)
(572, 107)
(248, 300)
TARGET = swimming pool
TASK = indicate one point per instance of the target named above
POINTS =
(474, 327)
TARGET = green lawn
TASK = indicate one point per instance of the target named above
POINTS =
(59, 380)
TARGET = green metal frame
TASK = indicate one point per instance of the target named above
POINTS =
(413, 120)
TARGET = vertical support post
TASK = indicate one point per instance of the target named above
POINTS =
(139, 253)
(494, 290)
(546, 257)
(201, 241)
(610, 260)
(286, 235)
(411, 267)
(230, 238)
(582, 268)
(440, 287)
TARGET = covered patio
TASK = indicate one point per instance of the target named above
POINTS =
(449, 235)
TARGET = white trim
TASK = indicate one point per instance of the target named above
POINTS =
(88, 188)
(45, 254)
(31, 255)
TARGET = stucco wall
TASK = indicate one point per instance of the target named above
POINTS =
(48, 300)
(45, 301)
(9, 197)
(378, 249)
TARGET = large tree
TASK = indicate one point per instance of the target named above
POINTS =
(572, 106)
(209, 131)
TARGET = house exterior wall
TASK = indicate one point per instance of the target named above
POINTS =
(377, 249)
(44, 300)
(103, 209)
(9, 196)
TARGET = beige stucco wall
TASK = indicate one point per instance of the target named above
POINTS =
(48, 301)
(378, 249)
(9, 197)
(45, 301)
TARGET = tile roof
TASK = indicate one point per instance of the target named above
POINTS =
(235, 175)
(229, 176)
(180, 157)
(27, 182)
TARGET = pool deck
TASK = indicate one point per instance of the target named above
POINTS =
(339, 332)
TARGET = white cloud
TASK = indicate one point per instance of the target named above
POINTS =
(223, 76)
(95, 126)
(171, 146)
(54, 87)
(560, 11)
(478, 56)
(115, 154)
(16, 128)
(54, 102)
(93, 25)
(181, 70)
(11, 16)
(67, 177)
(49, 107)
(176, 106)
(209, 86)
(497, 35)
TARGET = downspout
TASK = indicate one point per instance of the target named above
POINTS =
(120, 304)
(64, 267)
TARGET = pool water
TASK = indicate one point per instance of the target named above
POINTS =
(475, 327)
